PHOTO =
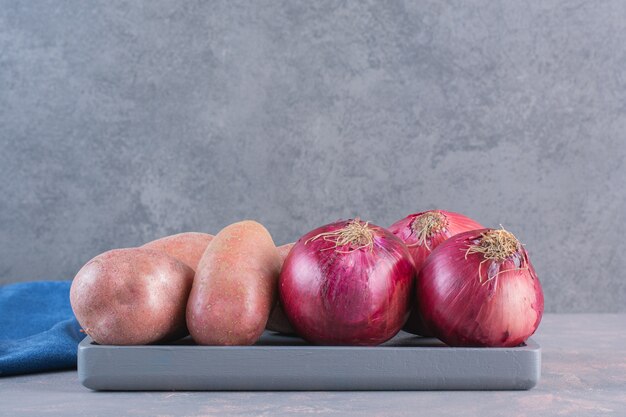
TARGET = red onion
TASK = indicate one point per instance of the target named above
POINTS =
(347, 283)
(479, 288)
(422, 233)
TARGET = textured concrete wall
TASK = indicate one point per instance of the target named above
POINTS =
(124, 121)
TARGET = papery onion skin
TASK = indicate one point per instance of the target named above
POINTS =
(455, 223)
(463, 311)
(347, 296)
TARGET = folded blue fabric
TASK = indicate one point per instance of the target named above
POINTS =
(38, 330)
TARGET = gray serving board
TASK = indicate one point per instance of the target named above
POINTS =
(278, 362)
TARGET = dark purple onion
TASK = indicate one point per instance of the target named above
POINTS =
(479, 288)
(422, 233)
(339, 288)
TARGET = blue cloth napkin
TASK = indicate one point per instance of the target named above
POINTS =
(38, 330)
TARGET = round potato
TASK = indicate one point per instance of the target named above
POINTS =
(186, 247)
(132, 297)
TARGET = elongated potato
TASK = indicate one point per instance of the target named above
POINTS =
(186, 247)
(235, 287)
(132, 297)
(278, 321)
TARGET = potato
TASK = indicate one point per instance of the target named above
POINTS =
(186, 247)
(278, 321)
(235, 287)
(284, 251)
(132, 297)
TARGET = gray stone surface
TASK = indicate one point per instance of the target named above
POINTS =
(584, 374)
(125, 121)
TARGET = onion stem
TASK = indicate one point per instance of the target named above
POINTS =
(426, 225)
(355, 233)
(496, 246)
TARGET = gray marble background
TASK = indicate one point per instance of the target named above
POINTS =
(125, 121)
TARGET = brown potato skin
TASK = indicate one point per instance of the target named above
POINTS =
(186, 247)
(235, 287)
(278, 321)
(132, 296)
